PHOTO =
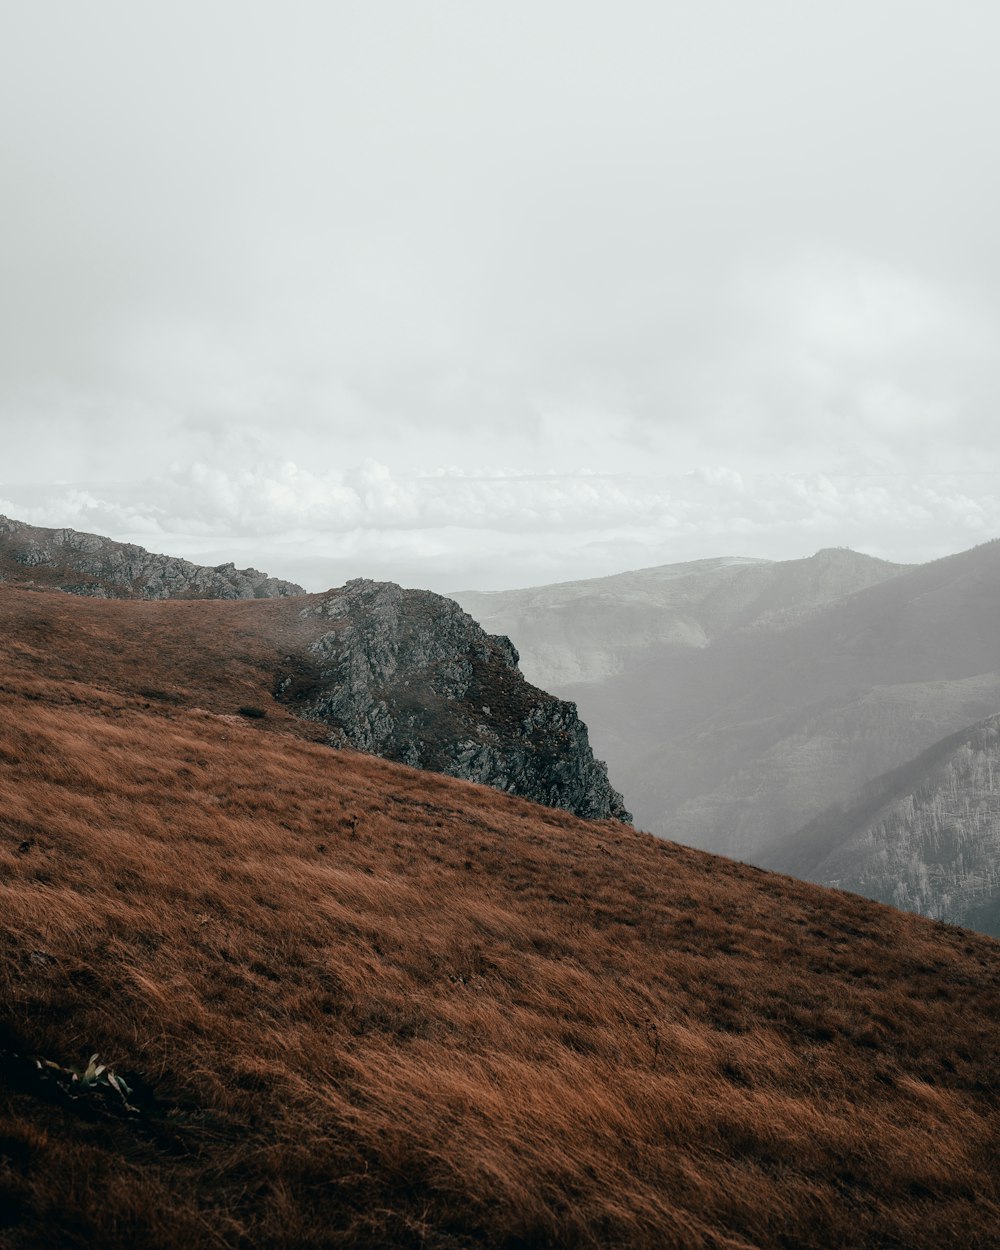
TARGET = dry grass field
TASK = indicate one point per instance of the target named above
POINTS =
(360, 1005)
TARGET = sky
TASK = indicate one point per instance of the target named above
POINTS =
(482, 295)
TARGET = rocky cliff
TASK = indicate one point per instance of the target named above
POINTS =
(98, 567)
(406, 674)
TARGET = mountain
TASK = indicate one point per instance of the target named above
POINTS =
(338, 1002)
(594, 630)
(765, 729)
(403, 674)
(925, 836)
(88, 564)
(841, 669)
(697, 714)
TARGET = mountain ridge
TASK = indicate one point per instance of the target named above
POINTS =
(558, 628)
(92, 565)
(884, 672)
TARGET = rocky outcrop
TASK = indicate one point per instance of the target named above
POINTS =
(89, 564)
(406, 674)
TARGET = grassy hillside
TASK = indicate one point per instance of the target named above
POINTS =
(398, 673)
(361, 1005)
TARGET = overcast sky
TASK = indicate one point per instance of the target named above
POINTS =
(491, 294)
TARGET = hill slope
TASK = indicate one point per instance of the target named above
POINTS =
(404, 674)
(360, 1005)
(925, 836)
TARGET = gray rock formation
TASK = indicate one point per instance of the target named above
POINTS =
(406, 674)
(924, 837)
(88, 564)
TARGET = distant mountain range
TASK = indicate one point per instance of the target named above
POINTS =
(736, 701)
(592, 631)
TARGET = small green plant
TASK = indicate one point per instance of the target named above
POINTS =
(94, 1076)
(100, 1074)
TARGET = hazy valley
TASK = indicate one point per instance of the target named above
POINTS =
(735, 701)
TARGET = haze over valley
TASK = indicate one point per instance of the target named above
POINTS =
(736, 700)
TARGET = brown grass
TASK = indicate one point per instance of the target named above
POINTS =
(366, 1006)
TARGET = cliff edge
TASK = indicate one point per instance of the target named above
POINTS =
(407, 675)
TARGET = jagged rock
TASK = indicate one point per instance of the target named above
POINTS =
(406, 674)
(98, 567)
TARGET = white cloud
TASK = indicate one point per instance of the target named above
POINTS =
(451, 529)
(573, 253)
